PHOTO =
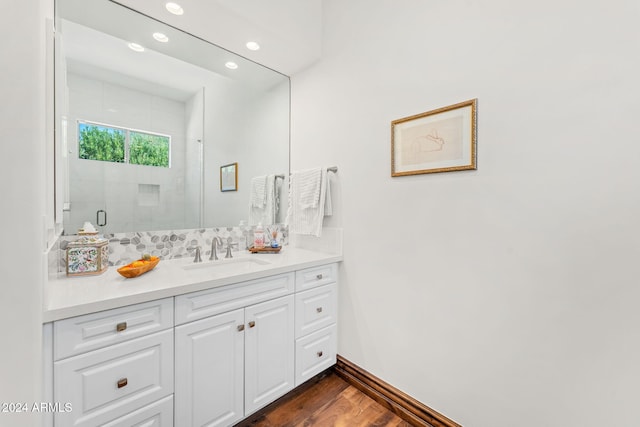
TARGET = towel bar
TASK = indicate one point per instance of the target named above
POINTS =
(333, 169)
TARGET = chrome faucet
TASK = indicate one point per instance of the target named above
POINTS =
(197, 257)
(216, 243)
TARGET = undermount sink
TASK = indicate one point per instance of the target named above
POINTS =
(228, 265)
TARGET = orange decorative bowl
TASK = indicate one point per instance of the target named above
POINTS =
(138, 267)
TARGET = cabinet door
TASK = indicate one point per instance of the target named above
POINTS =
(209, 371)
(269, 352)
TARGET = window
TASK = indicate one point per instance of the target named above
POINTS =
(148, 149)
(120, 145)
(101, 143)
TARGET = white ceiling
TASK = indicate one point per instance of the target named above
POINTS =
(99, 55)
(289, 31)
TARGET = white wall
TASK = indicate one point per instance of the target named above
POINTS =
(247, 126)
(505, 296)
(22, 172)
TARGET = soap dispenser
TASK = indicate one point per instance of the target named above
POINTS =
(258, 236)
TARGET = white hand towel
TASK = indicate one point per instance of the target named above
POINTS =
(309, 184)
(328, 204)
(270, 201)
(265, 214)
(306, 212)
(258, 191)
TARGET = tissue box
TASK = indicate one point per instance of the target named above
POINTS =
(87, 256)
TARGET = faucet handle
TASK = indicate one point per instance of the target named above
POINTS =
(229, 246)
(197, 257)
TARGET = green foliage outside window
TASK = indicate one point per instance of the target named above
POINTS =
(150, 150)
(101, 143)
(109, 144)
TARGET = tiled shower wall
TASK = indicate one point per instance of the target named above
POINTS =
(132, 193)
(127, 247)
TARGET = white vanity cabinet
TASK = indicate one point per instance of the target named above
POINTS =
(228, 365)
(211, 357)
(115, 367)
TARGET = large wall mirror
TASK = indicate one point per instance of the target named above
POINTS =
(145, 123)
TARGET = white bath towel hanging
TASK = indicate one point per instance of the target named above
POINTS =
(307, 197)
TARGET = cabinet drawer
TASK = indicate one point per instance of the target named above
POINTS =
(315, 353)
(316, 309)
(316, 276)
(110, 382)
(96, 330)
(158, 414)
(198, 305)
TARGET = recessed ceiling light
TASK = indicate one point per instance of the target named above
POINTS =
(174, 8)
(253, 46)
(136, 47)
(160, 37)
(231, 65)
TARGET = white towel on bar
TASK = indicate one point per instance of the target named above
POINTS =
(258, 191)
(307, 197)
(265, 214)
(328, 204)
(309, 185)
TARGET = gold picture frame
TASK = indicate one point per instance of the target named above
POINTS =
(441, 140)
(229, 177)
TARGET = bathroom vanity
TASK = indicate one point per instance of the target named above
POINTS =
(188, 344)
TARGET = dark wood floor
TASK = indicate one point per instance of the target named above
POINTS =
(326, 401)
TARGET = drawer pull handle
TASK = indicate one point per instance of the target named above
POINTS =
(123, 382)
(121, 326)
(319, 276)
(252, 324)
(319, 353)
(319, 309)
(240, 328)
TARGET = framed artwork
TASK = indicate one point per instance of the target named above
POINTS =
(229, 177)
(441, 140)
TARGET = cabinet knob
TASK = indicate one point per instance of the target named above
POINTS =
(319, 276)
(319, 309)
(121, 326)
(240, 328)
(319, 353)
(123, 382)
(252, 324)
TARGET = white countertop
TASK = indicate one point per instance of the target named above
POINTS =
(73, 296)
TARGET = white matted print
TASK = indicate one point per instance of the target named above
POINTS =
(440, 140)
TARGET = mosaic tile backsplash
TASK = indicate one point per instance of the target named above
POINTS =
(168, 244)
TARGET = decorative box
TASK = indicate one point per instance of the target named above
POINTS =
(87, 255)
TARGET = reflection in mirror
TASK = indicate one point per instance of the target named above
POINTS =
(142, 130)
